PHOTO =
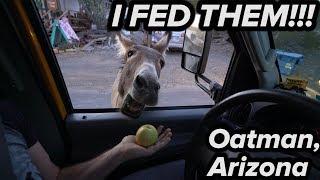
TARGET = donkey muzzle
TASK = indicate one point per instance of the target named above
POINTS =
(146, 88)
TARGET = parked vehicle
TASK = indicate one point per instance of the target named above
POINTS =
(176, 42)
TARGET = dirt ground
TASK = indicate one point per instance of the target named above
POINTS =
(89, 76)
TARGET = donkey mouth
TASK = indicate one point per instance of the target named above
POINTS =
(131, 107)
(146, 99)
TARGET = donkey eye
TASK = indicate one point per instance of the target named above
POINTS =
(162, 63)
(130, 53)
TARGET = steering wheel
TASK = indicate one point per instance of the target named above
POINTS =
(199, 157)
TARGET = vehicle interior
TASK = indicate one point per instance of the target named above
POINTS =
(31, 77)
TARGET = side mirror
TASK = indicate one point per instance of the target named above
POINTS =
(196, 47)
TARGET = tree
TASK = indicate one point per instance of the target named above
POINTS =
(39, 4)
(96, 9)
(193, 2)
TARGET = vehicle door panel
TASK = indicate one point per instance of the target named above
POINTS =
(93, 133)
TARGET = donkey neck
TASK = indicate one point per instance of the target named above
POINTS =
(116, 97)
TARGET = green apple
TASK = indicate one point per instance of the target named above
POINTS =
(146, 135)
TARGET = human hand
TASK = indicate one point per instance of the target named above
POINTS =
(131, 150)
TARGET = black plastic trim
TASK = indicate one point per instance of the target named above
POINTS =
(108, 110)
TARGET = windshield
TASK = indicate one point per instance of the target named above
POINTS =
(299, 58)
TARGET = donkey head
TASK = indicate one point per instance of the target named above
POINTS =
(142, 67)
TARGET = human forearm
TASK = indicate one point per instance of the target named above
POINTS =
(101, 166)
(97, 168)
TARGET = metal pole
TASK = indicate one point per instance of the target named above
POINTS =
(149, 38)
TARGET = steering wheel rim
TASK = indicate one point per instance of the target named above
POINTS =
(197, 152)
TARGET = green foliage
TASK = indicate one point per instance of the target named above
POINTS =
(96, 9)
(38, 4)
(193, 2)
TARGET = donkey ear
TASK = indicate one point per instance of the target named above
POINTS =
(123, 42)
(162, 45)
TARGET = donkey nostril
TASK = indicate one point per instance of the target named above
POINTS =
(157, 87)
(140, 81)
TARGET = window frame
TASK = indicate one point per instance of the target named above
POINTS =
(51, 58)
(273, 46)
(34, 16)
